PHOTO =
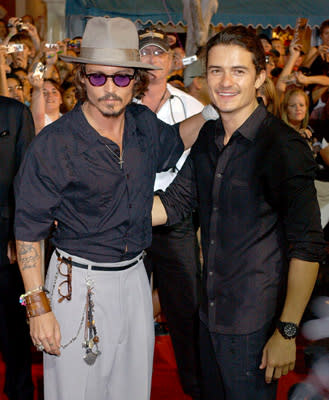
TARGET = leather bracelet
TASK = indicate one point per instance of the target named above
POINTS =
(37, 304)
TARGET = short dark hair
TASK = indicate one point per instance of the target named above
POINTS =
(19, 69)
(243, 37)
(140, 86)
(22, 38)
(324, 24)
(56, 85)
(265, 37)
(16, 77)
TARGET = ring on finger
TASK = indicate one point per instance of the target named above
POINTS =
(39, 346)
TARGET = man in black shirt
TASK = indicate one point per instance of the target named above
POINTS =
(92, 171)
(16, 133)
(251, 178)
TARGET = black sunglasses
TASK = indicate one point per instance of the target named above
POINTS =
(99, 79)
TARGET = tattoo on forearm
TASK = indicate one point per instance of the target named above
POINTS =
(28, 255)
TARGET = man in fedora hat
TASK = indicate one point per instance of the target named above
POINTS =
(93, 172)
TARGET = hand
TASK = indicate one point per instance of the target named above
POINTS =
(45, 330)
(301, 78)
(3, 59)
(35, 81)
(295, 49)
(324, 52)
(61, 47)
(31, 30)
(279, 357)
(13, 21)
(306, 133)
(50, 55)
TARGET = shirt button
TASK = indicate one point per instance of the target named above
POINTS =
(215, 208)
(130, 206)
(211, 273)
(212, 242)
(219, 175)
(212, 304)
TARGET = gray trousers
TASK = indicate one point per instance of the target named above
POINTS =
(124, 320)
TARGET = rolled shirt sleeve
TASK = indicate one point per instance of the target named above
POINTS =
(37, 194)
(292, 189)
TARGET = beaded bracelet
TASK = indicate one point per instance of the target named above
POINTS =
(22, 298)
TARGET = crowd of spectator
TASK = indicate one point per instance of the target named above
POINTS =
(32, 72)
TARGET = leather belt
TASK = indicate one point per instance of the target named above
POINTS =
(97, 267)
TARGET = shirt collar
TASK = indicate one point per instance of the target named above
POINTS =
(252, 124)
(89, 135)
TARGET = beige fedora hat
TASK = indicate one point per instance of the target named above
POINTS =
(110, 41)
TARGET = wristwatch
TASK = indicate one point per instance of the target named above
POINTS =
(288, 330)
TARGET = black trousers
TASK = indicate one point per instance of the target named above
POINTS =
(230, 365)
(173, 258)
(14, 335)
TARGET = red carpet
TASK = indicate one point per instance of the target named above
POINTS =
(165, 383)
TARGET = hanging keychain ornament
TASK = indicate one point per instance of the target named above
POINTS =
(91, 339)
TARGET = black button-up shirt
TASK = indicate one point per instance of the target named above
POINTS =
(69, 175)
(16, 133)
(258, 207)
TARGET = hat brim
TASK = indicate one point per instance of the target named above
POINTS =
(111, 63)
(154, 44)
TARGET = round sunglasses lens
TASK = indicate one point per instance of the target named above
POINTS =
(97, 79)
(121, 80)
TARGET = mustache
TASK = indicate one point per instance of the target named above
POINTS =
(110, 96)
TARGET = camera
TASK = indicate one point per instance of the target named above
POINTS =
(21, 27)
(38, 70)
(51, 46)
(14, 47)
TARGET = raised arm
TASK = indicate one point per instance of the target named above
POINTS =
(3, 71)
(38, 104)
(314, 52)
(294, 50)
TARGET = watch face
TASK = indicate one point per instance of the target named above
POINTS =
(290, 330)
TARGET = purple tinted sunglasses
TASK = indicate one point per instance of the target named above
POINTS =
(99, 79)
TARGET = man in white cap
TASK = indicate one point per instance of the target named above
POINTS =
(174, 254)
(93, 172)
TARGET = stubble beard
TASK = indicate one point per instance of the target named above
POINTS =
(108, 113)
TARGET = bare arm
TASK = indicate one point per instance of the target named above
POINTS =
(310, 57)
(312, 79)
(3, 71)
(279, 354)
(189, 129)
(324, 153)
(159, 214)
(29, 261)
(317, 92)
(44, 329)
(38, 105)
(322, 82)
(294, 51)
